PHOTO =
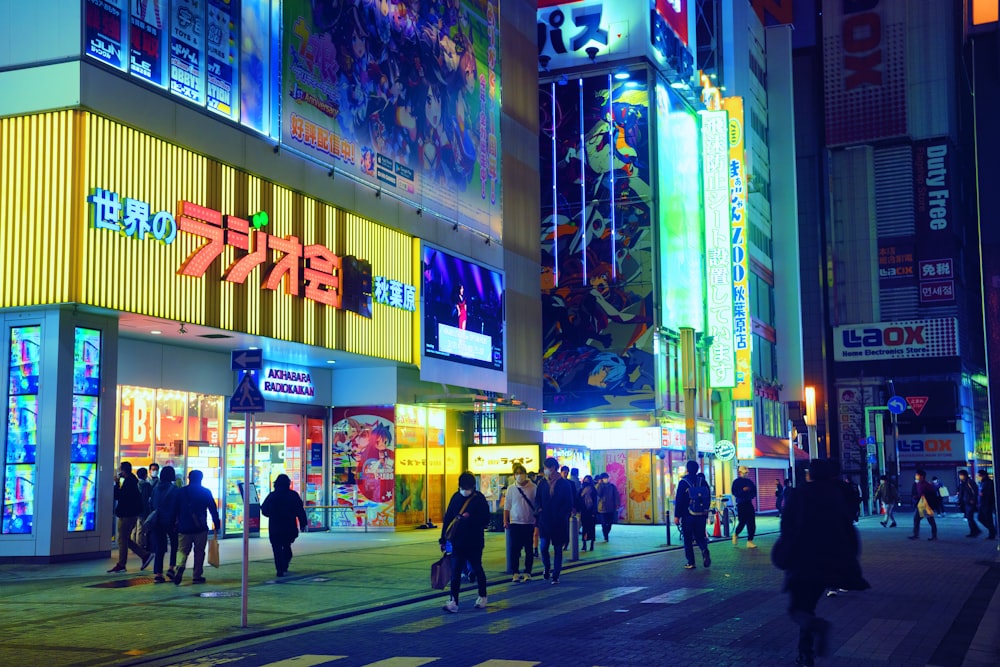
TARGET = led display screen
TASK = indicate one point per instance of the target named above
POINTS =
(25, 346)
(87, 362)
(22, 429)
(82, 496)
(84, 439)
(18, 498)
(463, 310)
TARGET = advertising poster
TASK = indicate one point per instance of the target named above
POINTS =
(82, 496)
(363, 461)
(25, 352)
(104, 31)
(403, 95)
(936, 245)
(187, 49)
(18, 499)
(895, 261)
(738, 187)
(616, 465)
(597, 276)
(147, 41)
(255, 80)
(223, 38)
(639, 494)
(87, 362)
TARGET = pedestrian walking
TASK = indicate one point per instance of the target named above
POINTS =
(987, 504)
(128, 508)
(519, 520)
(555, 500)
(163, 523)
(926, 497)
(942, 491)
(193, 501)
(691, 506)
(146, 494)
(818, 549)
(968, 501)
(465, 521)
(853, 494)
(283, 509)
(608, 502)
(779, 493)
(744, 493)
(888, 495)
(588, 511)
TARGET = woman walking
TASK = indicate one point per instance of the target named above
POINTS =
(467, 517)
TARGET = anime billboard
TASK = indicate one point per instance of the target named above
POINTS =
(596, 246)
(363, 461)
(402, 94)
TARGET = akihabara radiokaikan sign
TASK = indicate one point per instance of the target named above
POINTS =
(311, 271)
(910, 339)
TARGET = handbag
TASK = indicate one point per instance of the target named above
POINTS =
(453, 526)
(213, 552)
(441, 572)
(150, 519)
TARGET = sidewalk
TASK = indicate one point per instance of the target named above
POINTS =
(74, 613)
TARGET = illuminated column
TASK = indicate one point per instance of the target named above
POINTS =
(810, 419)
(689, 374)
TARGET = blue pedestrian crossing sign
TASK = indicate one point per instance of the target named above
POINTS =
(897, 405)
(247, 397)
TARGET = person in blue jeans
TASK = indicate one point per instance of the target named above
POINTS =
(692, 524)
(555, 498)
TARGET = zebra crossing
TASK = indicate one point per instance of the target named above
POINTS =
(315, 660)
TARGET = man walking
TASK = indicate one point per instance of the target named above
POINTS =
(744, 492)
(608, 501)
(924, 495)
(128, 509)
(888, 495)
(987, 504)
(968, 501)
(691, 506)
(555, 498)
(192, 503)
(519, 520)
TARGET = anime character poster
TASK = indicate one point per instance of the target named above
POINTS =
(404, 94)
(639, 495)
(597, 290)
(363, 461)
(616, 465)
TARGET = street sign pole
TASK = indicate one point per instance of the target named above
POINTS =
(247, 425)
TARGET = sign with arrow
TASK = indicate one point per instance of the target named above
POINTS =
(247, 397)
(917, 403)
(897, 405)
(247, 360)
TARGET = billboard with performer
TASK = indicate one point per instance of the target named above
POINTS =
(404, 95)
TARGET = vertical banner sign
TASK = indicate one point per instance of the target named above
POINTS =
(223, 37)
(718, 248)
(104, 38)
(934, 218)
(146, 39)
(741, 277)
(745, 444)
(187, 49)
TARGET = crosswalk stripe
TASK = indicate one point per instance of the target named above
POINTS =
(417, 626)
(676, 596)
(544, 614)
(507, 663)
(306, 660)
(401, 661)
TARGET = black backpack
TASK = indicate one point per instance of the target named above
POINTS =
(700, 498)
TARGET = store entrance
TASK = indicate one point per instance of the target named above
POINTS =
(277, 450)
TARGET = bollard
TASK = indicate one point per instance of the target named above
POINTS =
(574, 531)
(668, 527)
(510, 556)
(725, 521)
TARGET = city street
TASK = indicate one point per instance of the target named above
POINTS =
(932, 603)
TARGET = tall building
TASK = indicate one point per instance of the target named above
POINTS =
(319, 185)
(894, 339)
(657, 214)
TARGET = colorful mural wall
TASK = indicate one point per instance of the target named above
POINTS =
(597, 244)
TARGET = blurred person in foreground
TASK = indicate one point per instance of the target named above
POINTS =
(818, 549)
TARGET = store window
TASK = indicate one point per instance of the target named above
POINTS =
(276, 449)
(22, 429)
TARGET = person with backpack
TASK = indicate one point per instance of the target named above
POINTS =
(744, 493)
(588, 511)
(691, 506)
(162, 523)
(927, 499)
(968, 501)
(192, 503)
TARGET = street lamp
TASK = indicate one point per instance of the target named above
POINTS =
(810, 419)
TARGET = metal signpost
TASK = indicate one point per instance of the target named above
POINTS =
(248, 400)
(896, 405)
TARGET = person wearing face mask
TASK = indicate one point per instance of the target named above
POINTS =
(555, 498)
(519, 520)
(471, 513)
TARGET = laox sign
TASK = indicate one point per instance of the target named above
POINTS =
(889, 336)
(929, 445)
(861, 35)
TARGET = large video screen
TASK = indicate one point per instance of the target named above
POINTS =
(463, 311)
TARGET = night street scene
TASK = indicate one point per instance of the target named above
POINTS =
(555, 333)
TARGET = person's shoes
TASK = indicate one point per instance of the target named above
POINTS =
(178, 576)
(883, 524)
(526, 577)
(279, 573)
(555, 581)
(481, 602)
(516, 579)
(451, 607)
(707, 558)
(592, 545)
(991, 537)
(170, 573)
(536, 553)
(736, 539)
(751, 545)
(892, 525)
(805, 660)
(932, 538)
(689, 566)
(913, 537)
(973, 535)
(198, 580)
(116, 569)
(546, 574)
(159, 579)
(832, 593)
(146, 561)
(605, 539)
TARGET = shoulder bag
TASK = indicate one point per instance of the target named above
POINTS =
(453, 526)
(534, 510)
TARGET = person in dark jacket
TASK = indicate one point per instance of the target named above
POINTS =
(128, 509)
(146, 493)
(163, 528)
(968, 500)
(192, 503)
(692, 524)
(608, 502)
(888, 494)
(987, 504)
(283, 507)
(555, 499)
(470, 513)
(817, 531)
(926, 497)
(744, 493)
(588, 511)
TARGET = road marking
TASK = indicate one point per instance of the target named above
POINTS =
(402, 662)
(876, 640)
(677, 596)
(417, 626)
(507, 663)
(545, 614)
(306, 660)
